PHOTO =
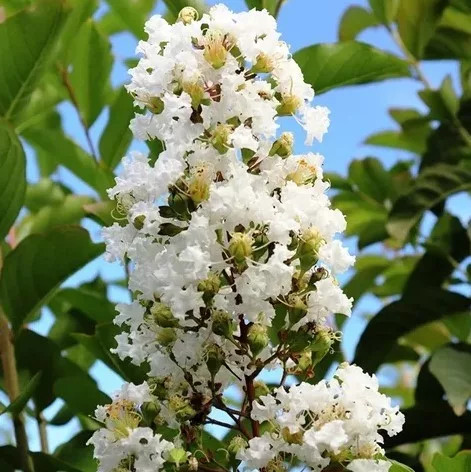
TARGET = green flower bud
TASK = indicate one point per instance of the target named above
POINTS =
(308, 249)
(149, 411)
(240, 247)
(166, 336)
(223, 324)
(177, 456)
(156, 105)
(215, 51)
(305, 360)
(261, 388)
(211, 285)
(257, 338)
(138, 222)
(297, 309)
(263, 65)
(236, 444)
(188, 15)
(181, 407)
(283, 146)
(322, 344)
(289, 105)
(162, 315)
(214, 358)
(220, 137)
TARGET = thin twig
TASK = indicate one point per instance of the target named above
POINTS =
(221, 423)
(73, 99)
(42, 432)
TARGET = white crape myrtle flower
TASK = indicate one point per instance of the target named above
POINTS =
(231, 244)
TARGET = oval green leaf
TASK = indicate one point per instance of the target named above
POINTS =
(328, 66)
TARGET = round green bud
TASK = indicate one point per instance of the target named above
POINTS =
(283, 146)
(220, 137)
(138, 222)
(188, 15)
(162, 315)
(149, 411)
(236, 444)
(181, 407)
(211, 285)
(214, 358)
(240, 247)
(156, 105)
(257, 338)
(166, 336)
(223, 324)
(321, 345)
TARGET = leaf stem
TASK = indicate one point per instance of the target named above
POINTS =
(73, 99)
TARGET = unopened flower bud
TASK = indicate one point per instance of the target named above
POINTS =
(263, 65)
(236, 444)
(289, 105)
(149, 412)
(283, 146)
(305, 360)
(187, 15)
(214, 358)
(321, 345)
(166, 336)
(308, 250)
(261, 388)
(138, 222)
(220, 137)
(257, 338)
(215, 51)
(177, 456)
(162, 315)
(297, 308)
(211, 285)
(223, 324)
(240, 247)
(156, 105)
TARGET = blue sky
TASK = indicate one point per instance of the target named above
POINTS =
(356, 112)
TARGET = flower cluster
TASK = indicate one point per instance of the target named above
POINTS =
(229, 236)
(335, 420)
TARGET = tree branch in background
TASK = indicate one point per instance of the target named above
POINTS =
(65, 80)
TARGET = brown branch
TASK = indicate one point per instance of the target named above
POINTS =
(42, 432)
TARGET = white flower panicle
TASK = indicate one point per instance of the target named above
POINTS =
(228, 234)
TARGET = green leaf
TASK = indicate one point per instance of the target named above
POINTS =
(433, 185)
(269, 5)
(460, 463)
(58, 147)
(456, 19)
(91, 62)
(452, 368)
(354, 20)
(370, 178)
(80, 394)
(402, 316)
(17, 405)
(328, 66)
(24, 55)
(117, 136)
(398, 467)
(443, 103)
(385, 10)
(69, 211)
(417, 21)
(77, 452)
(101, 212)
(12, 177)
(132, 15)
(34, 269)
(448, 43)
(413, 142)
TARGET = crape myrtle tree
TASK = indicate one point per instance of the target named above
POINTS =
(230, 243)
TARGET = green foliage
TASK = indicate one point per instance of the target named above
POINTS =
(460, 463)
(328, 66)
(354, 21)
